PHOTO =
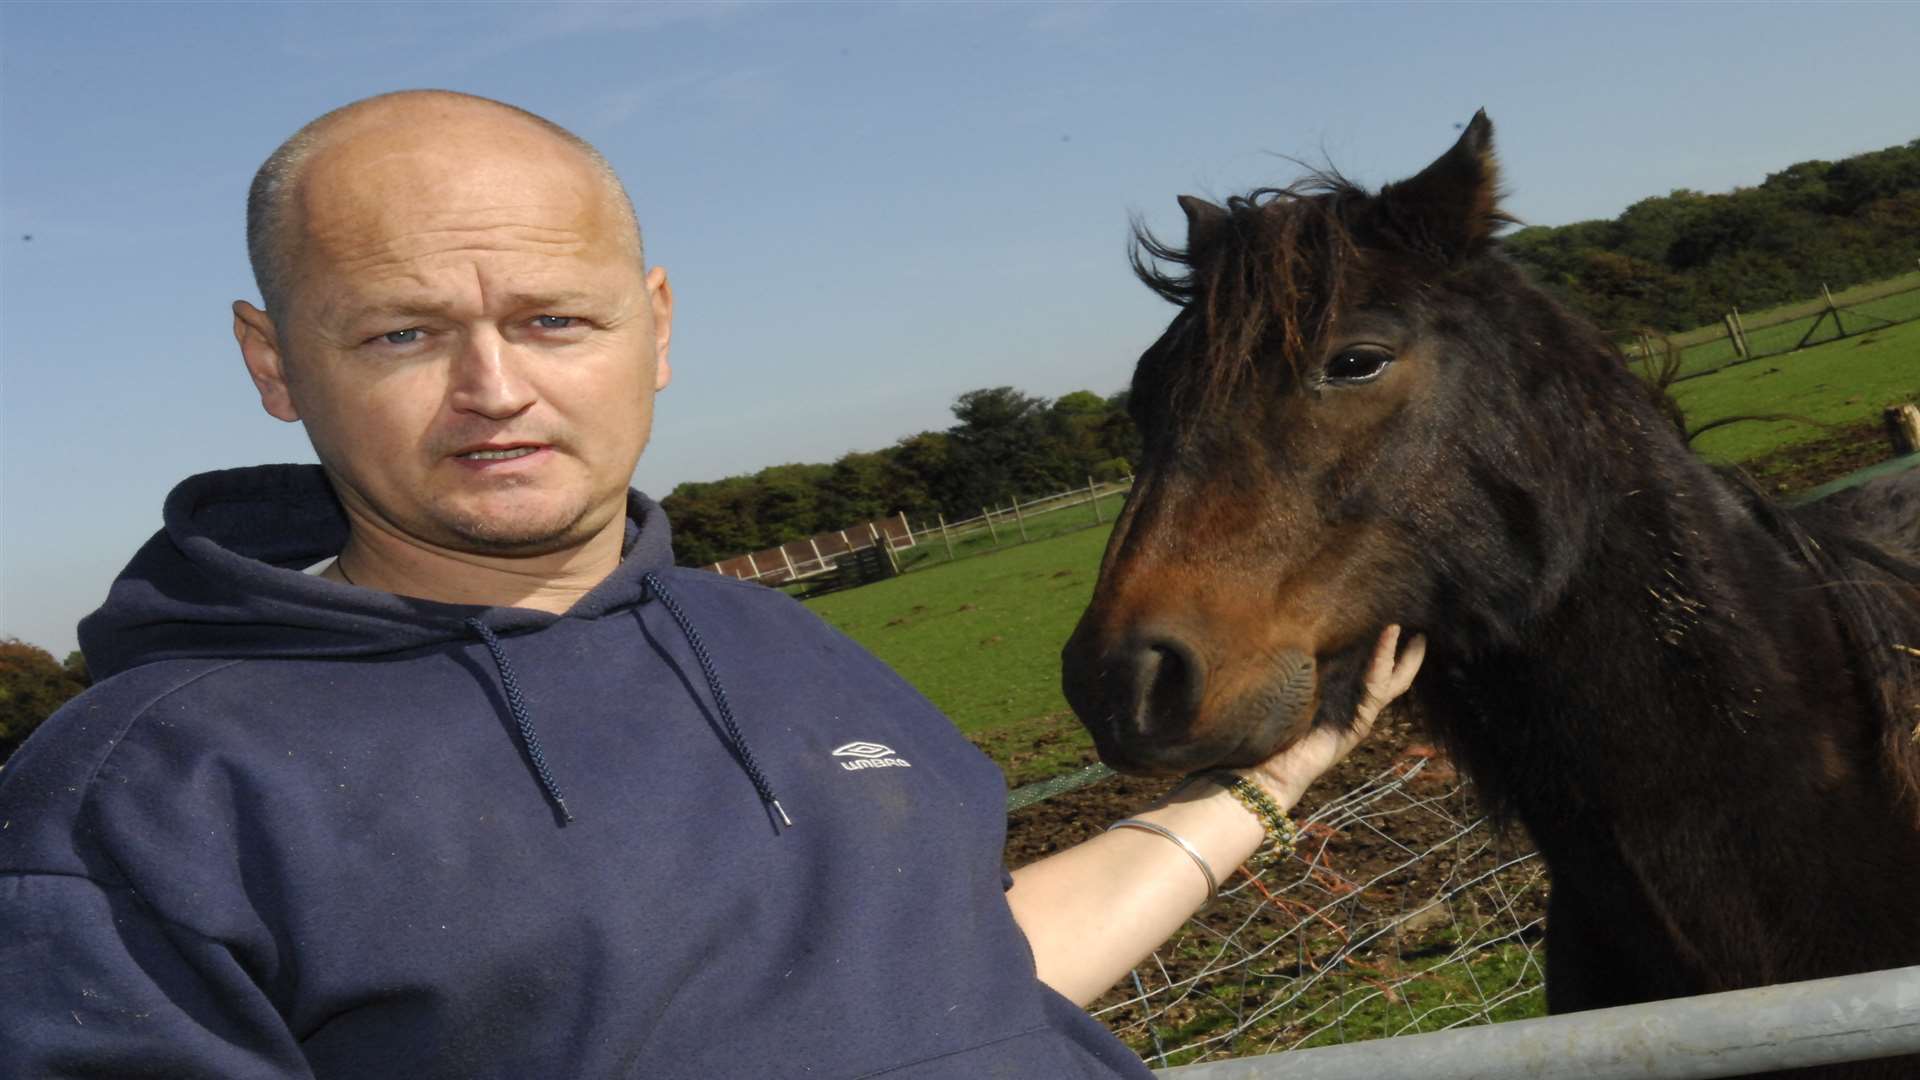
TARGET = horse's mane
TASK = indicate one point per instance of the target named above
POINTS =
(1273, 272)
(1873, 590)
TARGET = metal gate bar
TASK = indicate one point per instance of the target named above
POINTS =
(1767, 1029)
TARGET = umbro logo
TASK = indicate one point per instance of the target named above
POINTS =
(869, 755)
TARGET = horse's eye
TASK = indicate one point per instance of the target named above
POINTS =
(1357, 365)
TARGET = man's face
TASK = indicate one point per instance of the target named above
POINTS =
(470, 340)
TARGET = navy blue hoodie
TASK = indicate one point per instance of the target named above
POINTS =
(303, 829)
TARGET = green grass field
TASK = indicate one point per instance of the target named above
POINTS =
(1840, 383)
(982, 639)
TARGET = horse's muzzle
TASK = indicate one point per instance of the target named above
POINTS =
(1154, 705)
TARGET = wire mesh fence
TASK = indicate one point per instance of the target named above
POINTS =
(1403, 911)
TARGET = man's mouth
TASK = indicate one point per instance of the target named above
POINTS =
(497, 455)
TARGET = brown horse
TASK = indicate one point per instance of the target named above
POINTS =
(1701, 705)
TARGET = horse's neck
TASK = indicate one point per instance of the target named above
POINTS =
(1681, 639)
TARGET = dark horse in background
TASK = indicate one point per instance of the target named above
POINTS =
(1700, 704)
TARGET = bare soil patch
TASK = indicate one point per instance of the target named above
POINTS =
(1809, 464)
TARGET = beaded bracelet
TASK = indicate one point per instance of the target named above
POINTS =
(1281, 832)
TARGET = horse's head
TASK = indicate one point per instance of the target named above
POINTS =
(1330, 446)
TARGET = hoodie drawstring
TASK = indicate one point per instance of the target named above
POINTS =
(517, 705)
(659, 589)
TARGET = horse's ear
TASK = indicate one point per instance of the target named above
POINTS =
(1204, 221)
(1452, 206)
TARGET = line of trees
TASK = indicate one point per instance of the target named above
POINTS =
(1677, 261)
(1004, 442)
(1670, 262)
(32, 685)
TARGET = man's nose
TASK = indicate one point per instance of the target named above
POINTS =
(486, 377)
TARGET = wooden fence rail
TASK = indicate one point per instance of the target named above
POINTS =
(824, 553)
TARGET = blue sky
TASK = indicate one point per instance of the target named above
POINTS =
(866, 209)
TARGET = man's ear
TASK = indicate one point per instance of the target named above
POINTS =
(1451, 208)
(660, 295)
(260, 348)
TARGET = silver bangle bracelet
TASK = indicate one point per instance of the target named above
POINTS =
(1213, 883)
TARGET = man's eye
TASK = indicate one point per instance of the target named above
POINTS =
(555, 322)
(401, 337)
(1358, 365)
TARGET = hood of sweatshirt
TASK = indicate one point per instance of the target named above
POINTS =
(224, 579)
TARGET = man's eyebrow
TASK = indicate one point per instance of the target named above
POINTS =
(423, 308)
(402, 308)
(556, 299)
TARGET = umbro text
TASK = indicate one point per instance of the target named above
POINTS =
(875, 763)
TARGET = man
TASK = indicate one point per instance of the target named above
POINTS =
(494, 790)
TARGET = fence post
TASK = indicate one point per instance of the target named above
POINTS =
(1903, 428)
(1746, 347)
(819, 560)
(1733, 335)
(1839, 328)
(991, 531)
(1018, 520)
(906, 528)
(946, 537)
(717, 570)
(791, 572)
(1093, 500)
(755, 565)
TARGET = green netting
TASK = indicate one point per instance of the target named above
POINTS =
(1023, 797)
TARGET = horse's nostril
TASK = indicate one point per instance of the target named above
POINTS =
(1167, 682)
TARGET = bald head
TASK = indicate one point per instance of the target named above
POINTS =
(282, 194)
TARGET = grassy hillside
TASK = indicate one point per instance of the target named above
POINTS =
(1841, 383)
(1869, 294)
(1777, 329)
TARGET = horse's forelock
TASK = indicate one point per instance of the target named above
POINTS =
(1273, 276)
